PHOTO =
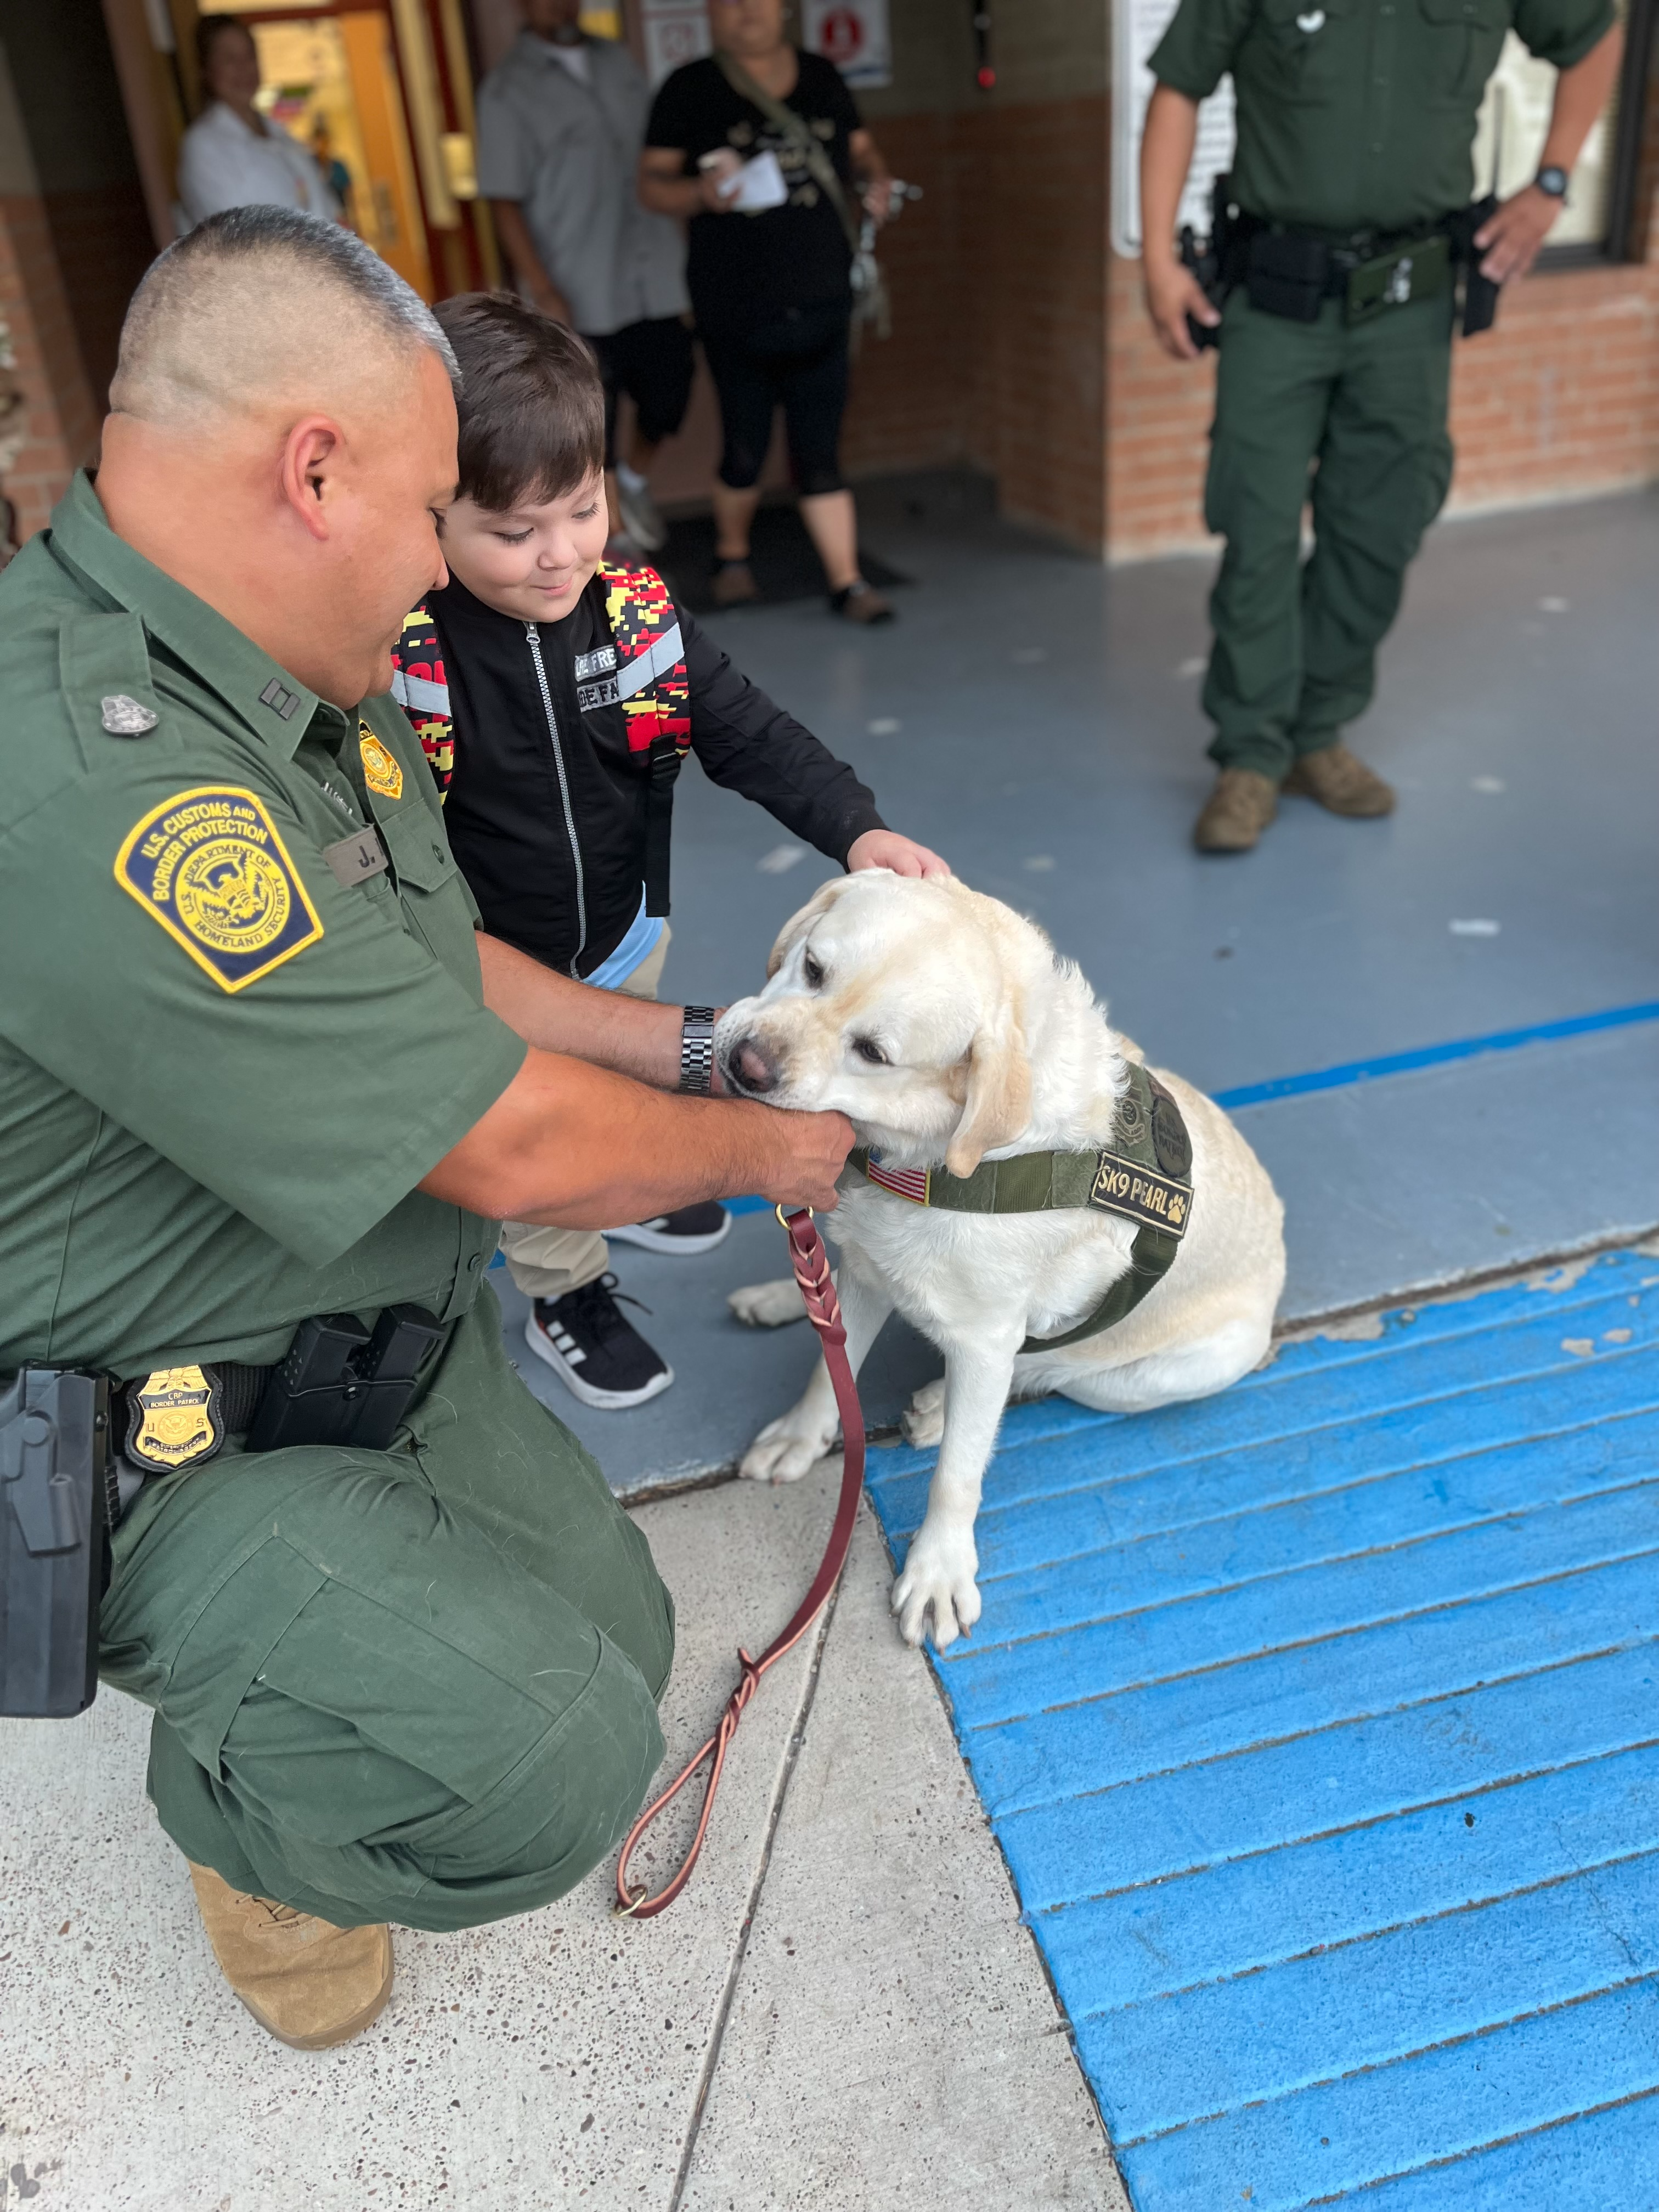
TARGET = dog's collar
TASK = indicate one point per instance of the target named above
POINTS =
(1144, 1176)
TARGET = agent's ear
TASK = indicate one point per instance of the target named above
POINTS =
(998, 1102)
(798, 923)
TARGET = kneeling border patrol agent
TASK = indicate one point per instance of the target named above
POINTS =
(1329, 289)
(266, 1091)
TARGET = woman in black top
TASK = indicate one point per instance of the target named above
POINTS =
(770, 288)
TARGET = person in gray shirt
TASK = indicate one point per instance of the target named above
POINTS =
(561, 120)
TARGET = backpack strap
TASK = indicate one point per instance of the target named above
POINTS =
(654, 693)
(421, 690)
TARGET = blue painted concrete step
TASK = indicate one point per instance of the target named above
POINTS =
(1318, 1725)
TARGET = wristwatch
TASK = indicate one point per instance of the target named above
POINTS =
(1552, 180)
(697, 1050)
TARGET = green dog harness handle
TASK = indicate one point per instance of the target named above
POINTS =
(1144, 1176)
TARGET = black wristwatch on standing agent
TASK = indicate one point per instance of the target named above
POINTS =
(697, 1050)
(1552, 179)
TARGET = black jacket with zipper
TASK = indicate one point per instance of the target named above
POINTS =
(546, 808)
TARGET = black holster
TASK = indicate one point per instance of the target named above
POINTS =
(1479, 292)
(57, 1505)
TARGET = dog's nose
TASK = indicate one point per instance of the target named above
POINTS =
(754, 1070)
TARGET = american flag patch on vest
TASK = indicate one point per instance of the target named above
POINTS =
(903, 1183)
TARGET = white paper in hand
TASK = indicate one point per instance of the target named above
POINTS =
(759, 184)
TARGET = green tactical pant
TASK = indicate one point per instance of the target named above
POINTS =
(417, 1685)
(1295, 651)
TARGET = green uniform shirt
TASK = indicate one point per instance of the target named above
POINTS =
(1360, 114)
(222, 1070)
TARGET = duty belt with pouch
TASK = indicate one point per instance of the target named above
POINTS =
(77, 1445)
(1291, 273)
(1143, 1175)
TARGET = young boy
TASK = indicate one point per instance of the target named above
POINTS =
(555, 699)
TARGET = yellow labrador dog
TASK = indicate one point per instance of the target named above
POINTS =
(942, 1023)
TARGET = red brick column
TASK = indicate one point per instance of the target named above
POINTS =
(62, 420)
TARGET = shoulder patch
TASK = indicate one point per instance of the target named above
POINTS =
(209, 864)
(381, 772)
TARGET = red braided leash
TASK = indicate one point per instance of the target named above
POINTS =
(817, 1293)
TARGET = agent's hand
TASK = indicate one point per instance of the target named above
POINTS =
(1173, 293)
(715, 172)
(810, 1151)
(885, 849)
(1515, 232)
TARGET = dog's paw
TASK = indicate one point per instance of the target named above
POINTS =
(767, 1305)
(923, 1418)
(786, 1449)
(937, 1579)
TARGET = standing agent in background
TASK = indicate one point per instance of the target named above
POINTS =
(559, 124)
(770, 286)
(231, 155)
(1355, 130)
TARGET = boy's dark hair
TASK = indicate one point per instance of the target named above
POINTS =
(532, 404)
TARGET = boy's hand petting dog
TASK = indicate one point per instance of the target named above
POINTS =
(885, 849)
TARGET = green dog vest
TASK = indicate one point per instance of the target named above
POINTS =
(1144, 1174)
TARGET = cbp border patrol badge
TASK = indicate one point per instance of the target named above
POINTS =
(174, 1420)
(209, 864)
(381, 771)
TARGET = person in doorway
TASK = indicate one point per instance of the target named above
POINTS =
(771, 289)
(1352, 175)
(560, 125)
(553, 698)
(231, 155)
(262, 1071)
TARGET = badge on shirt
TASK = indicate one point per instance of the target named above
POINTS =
(381, 770)
(209, 864)
(174, 1420)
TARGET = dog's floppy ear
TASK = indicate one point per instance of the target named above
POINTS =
(799, 922)
(998, 1104)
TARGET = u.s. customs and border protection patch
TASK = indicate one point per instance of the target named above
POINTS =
(174, 1419)
(381, 771)
(209, 864)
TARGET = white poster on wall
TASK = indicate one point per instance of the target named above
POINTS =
(676, 32)
(852, 33)
(1137, 27)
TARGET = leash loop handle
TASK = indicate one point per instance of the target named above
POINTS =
(817, 1290)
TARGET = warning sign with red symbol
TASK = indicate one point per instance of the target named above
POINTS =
(854, 35)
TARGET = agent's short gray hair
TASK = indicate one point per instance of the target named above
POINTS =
(250, 306)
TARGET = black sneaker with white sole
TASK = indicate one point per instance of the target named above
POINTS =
(689, 1228)
(594, 1349)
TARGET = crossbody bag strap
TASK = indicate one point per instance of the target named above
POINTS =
(797, 131)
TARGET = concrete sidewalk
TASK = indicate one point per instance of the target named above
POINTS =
(843, 2011)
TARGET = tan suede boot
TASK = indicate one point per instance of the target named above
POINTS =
(1338, 781)
(308, 1984)
(1236, 811)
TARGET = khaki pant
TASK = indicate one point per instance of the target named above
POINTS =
(543, 1262)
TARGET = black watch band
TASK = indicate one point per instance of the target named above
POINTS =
(1552, 180)
(697, 1050)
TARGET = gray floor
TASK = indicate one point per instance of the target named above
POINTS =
(1036, 718)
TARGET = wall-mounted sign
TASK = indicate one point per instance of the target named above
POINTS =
(1137, 27)
(676, 32)
(852, 33)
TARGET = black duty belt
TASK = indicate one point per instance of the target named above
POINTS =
(339, 1383)
(1144, 1176)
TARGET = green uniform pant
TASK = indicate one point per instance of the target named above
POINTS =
(417, 1685)
(1295, 648)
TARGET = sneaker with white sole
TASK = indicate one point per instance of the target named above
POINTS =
(594, 1349)
(689, 1228)
(641, 518)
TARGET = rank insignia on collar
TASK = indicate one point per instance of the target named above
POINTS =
(208, 866)
(124, 717)
(174, 1419)
(1142, 1195)
(381, 772)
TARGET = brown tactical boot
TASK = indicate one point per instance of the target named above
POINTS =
(1338, 781)
(1236, 811)
(308, 1984)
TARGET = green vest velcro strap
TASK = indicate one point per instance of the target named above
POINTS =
(1145, 1176)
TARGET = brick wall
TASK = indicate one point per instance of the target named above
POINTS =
(62, 420)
